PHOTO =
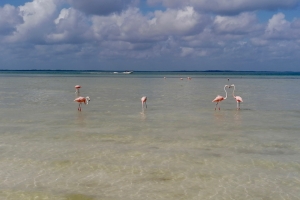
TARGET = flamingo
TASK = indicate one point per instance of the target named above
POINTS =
(81, 100)
(143, 100)
(77, 90)
(237, 98)
(219, 98)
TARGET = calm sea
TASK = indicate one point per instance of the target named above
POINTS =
(177, 148)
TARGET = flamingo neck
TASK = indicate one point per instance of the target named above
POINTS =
(225, 92)
(233, 91)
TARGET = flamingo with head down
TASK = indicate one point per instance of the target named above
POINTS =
(143, 100)
(220, 98)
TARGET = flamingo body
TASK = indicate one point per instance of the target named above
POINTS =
(238, 99)
(81, 100)
(218, 99)
(77, 90)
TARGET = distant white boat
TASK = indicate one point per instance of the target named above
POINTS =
(116, 72)
(127, 72)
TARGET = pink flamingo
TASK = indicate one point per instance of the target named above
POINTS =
(237, 98)
(143, 100)
(77, 90)
(81, 100)
(219, 98)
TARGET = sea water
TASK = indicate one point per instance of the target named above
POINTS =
(178, 147)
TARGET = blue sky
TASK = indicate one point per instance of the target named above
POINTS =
(242, 35)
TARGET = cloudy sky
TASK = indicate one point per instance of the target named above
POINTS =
(150, 34)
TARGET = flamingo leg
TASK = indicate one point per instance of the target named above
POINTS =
(216, 105)
(146, 104)
(237, 105)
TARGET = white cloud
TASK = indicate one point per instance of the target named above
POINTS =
(100, 7)
(277, 24)
(135, 31)
(71, 26)
(179, 22)
(296, 24)
(134, 27)
(37, 16)
(259, 42)
(186, 51)
(49, 28)
(9, 19)
(227, 6)
(279, 28)
(244, 23)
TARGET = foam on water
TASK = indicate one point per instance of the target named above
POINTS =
(178, 148)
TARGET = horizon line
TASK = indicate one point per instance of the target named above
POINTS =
(145, 70)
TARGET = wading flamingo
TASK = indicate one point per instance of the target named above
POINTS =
(219, 98)
(77, 90)
(237, 98)
(143, 100)
(81, 100)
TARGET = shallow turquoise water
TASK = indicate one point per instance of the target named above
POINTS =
(178, 148)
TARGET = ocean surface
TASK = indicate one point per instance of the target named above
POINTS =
(177, 148)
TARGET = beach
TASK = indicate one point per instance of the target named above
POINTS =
(177, 148)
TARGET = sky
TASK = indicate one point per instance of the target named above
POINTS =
(150, 35)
